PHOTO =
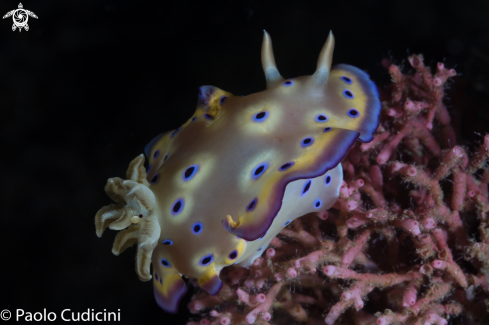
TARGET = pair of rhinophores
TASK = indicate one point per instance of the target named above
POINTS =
(219, 188)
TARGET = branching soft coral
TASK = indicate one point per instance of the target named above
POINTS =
(407, 242)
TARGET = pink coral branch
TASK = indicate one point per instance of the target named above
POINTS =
(480, 157)
(337, 310)
(459, 190)
(452, 269)
(393, 241)
(451, 159)
(411, 294)
(264, 307)
(435, 293)
(353, 251)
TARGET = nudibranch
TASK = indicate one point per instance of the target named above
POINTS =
(219, 188)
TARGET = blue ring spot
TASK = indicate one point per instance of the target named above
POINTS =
(155, 179)
(287, 223)
(286, 166)
(156, 276)
(223, 98)
(318, 203)
(206, 260)
(165, 263)
(353, 113)
(327, 129)
(175, 132)
(328, 180)
(233, 255)
(149, 168)
(207, 116)
(190, 172)
(259, 249)
(259, 170)
(177, 207)
(166, 157)
(194, 118)
(348, 94)
(264, 235)
(288, 83)
(156, 154)
(321, 118)
(167, 242)
(260, 116)
(197, 228)
(307, 142)
(306, 187)
(252, 205)
(346, 79)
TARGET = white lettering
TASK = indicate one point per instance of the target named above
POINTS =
(112, 314)
(40, 317)
(18, 314)
(63, 315)
(87, 314)
(51, 314)
(90, 315)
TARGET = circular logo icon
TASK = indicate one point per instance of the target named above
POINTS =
(20, 17)
(5, 314)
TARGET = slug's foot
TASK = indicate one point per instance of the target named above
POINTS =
(133, 214)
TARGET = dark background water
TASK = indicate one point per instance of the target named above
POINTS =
(92, 82)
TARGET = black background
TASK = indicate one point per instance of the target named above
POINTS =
(91, 82)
